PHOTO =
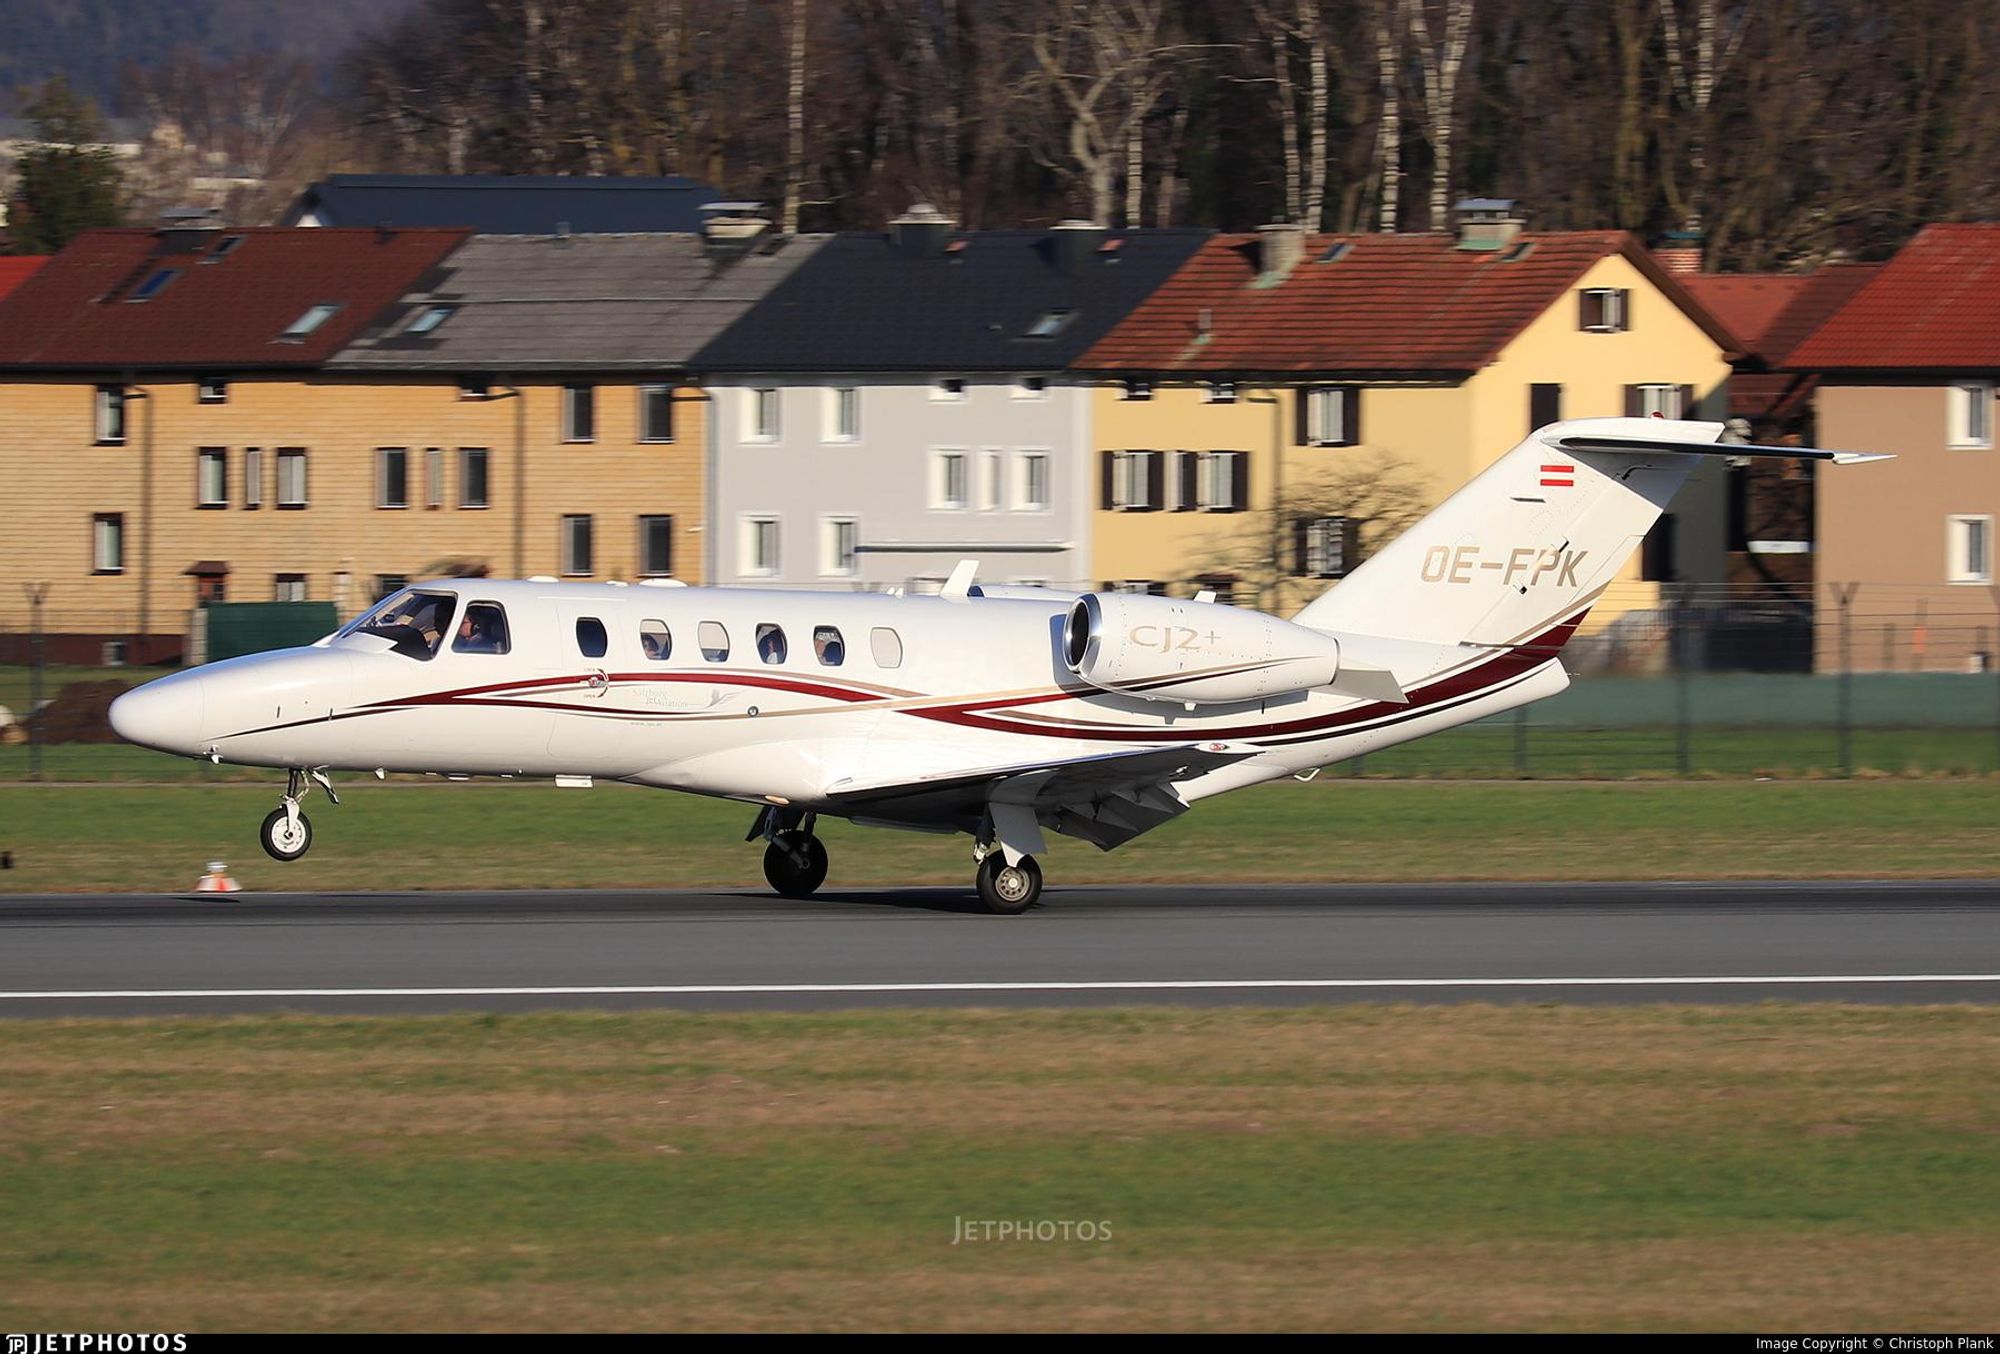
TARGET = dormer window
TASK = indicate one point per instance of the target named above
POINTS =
(1050, 323)
(428, 319)
(307, 323)
(153, 285)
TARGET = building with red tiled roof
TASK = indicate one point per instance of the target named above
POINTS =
(1771, 523)
(174, 411)
(16, 270)
(1256, 403)
(1910, 365)
(209, 299)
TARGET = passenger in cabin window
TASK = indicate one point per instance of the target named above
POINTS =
(650, 644)
(770, 644)
(827, 646)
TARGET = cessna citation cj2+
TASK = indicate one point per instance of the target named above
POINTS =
(1002, 713)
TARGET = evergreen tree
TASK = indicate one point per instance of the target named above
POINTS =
(69, 181)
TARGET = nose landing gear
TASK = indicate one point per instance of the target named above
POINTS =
(287, 834)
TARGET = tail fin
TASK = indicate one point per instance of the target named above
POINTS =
(1517, 556)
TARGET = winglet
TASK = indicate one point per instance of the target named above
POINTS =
(958, 587)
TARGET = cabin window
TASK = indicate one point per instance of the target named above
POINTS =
(483, 629)
(771, 642)
(591, 640)
(714, 642)
(828, 646)
(887, 646)
(656, 641)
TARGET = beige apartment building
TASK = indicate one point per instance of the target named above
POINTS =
(452, 405)
(1286, 399)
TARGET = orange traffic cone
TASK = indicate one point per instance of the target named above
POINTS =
(217, 880)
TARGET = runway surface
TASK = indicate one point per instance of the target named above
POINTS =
(129, 954)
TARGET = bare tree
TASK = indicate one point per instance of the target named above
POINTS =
(1441, 61)
(1389, 133)
(1105, 66)
(1290, 27)
(1694, 70)
(1382, 495)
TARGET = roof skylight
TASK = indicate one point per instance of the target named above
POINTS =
(153, 285)
(429, 318)
(305, 324)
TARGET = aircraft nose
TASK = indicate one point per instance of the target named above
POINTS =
(166, 714)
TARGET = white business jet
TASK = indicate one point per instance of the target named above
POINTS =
(1001, 713)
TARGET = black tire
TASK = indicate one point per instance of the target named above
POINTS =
(1009, 891)
(273, 838)
(787, 874)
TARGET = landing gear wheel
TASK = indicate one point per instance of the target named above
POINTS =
(283, 841)
(795, 863)
(1009, 889)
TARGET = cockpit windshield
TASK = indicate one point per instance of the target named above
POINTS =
(415, 622)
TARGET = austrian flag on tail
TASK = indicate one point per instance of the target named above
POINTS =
(1558, 476)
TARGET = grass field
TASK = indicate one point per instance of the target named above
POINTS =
(529, 836)
(1466, 1167)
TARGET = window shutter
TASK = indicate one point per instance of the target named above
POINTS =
(1687, 401)
(1350, 546)
(1635, 402)
(1188, 464)
(1351, 419)
(1108, 498)
(1624, 308)
(1302, 416)
(1239, 480)
(1301, 545)
(1156, 479)
(1583, 317)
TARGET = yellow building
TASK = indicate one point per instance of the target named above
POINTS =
(1288, 400)
(447, 404)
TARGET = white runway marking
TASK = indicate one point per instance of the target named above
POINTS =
(1163, 985)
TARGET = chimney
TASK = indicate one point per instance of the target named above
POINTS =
(1076, 241)
(729, 229)
(184, 229)
(1280, 246)
(920, 232)
(1486, 223)
(1680, 252)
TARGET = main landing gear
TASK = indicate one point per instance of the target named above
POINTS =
(287, 834)
(794, 859)
(1008, 889)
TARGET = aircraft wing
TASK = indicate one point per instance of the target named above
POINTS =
(1108, 798)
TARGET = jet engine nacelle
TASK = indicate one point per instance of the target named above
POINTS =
(1162, 649)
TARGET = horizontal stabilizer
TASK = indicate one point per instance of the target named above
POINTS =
(1615, 443)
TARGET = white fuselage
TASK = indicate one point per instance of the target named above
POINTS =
(924, 686)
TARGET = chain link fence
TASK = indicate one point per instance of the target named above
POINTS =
(1775, 680)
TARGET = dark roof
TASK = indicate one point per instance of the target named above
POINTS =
(506, 204)
(1931, 308)
(863, 304)
(1365, 304)
(218, 304)
(14, 271)
(589, 302)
